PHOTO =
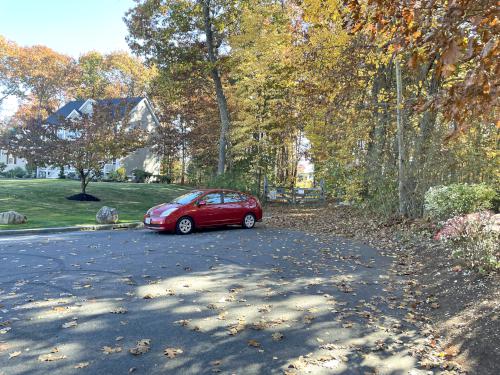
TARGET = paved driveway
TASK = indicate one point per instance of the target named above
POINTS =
(259, 301)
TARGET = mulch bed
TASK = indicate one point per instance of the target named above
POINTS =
(460, 307)
(83, 197)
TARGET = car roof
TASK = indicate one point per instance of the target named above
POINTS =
(219, 191)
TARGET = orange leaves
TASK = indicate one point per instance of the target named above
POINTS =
(459, 35)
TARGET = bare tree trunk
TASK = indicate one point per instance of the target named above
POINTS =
(221, 98)
(83, 181)
(183, 152)
(402, 188)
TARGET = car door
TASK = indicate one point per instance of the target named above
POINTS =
(234, 207)
(210, 213)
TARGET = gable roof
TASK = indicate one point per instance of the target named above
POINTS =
(64, 111)
(119, 107)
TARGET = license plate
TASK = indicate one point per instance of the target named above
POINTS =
(148, 220)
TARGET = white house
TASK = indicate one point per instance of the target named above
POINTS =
(11, 161)
(140, 114)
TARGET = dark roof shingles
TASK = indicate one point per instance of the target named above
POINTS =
(117, 105)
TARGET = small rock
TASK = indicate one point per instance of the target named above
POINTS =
(107, 215)
(12, 217)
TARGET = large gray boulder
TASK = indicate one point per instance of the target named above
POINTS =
(107, 215)
(12, 217)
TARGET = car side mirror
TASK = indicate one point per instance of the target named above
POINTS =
(202, 203)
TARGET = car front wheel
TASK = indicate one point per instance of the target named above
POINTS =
(249, 221)
(185, 225)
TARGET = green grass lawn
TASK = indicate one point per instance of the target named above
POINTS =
(44, 201)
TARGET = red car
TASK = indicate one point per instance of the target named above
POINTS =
(204, 208)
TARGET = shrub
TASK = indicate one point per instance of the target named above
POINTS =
(2, 167)
(474, 239)
(120, 175)
(140, 175)
(233, 181)
(72, 176)
(165, 179)
(443, 202)
(61, 176)
(16, 172)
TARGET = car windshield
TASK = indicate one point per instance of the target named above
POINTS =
(186, 198)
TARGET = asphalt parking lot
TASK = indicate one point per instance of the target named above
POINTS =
(232, 301)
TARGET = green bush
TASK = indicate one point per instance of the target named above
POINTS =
(16, 172)
(120, 175)
(140, 175)
(2, 167)
(163, 178)
(233, 181)
(443, 202)
(61, 176)
(72, 176)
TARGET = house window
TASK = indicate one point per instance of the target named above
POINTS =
(11, 159)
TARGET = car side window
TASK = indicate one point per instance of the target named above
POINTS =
(232, 198)
(213, 198)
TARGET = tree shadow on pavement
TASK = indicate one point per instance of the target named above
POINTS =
(237, 301)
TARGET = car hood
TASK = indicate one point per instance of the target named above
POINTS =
(157, 210)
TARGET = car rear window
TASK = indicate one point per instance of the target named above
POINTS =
(233, 197)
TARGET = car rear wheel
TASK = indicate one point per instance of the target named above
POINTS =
(249, 221)
(185, 225)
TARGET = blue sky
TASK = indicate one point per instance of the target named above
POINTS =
(67, 26)
(72, 27)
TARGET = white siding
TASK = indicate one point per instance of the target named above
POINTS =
(11, 161)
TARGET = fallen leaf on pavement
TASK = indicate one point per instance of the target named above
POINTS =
(82, 365)
(51, 357)
(254, 343)
(14, 354)
(141, 347)
(308, 319)
(71, 324)
(172, 352)
(277, 336)
(119, 310)
(109, 349)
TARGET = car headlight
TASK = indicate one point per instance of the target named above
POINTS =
(168, 212)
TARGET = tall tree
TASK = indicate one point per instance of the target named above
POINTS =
(267, 121)
(190, 33)
(9, 81)
(46, 78)
(116, 74)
